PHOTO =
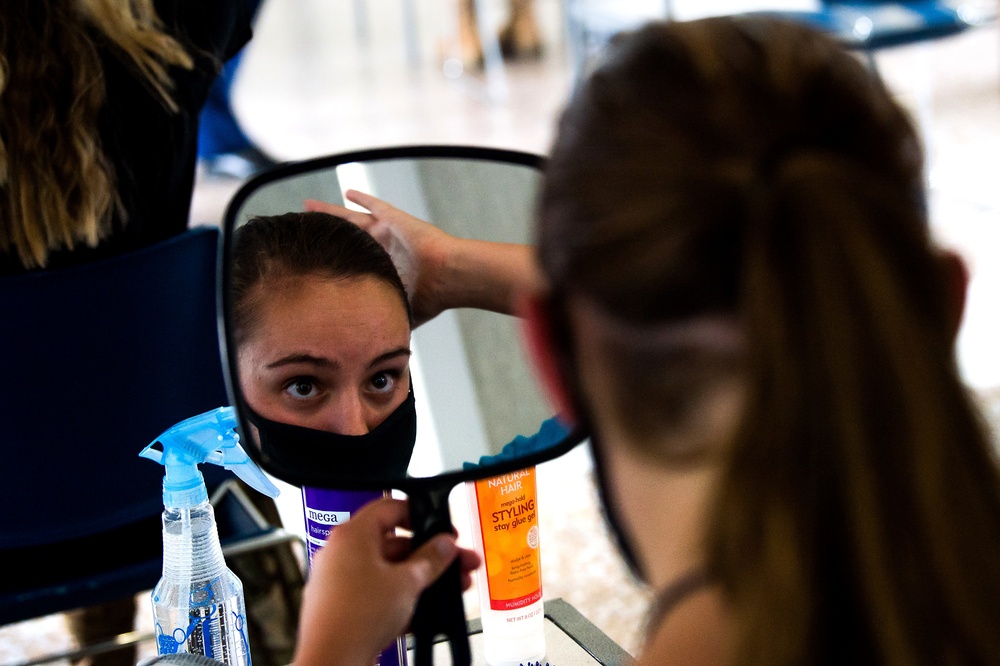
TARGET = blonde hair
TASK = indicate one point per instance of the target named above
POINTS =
(58, 186)
(767, 176)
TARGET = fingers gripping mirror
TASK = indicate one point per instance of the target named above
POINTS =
(333, 385)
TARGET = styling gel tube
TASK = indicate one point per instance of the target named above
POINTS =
(505, 531)
(326, 509)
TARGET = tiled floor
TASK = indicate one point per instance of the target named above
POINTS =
(311, 86)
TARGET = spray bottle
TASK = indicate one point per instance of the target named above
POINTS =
(198, 605)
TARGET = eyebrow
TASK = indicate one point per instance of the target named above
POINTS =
(323, 362)
(301, 357)
(388, 356)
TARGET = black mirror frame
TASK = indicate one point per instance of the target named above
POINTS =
(318, 478)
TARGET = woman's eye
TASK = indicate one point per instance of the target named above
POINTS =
(301, 388)
(383, 382)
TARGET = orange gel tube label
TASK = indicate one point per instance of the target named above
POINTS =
(509, 529)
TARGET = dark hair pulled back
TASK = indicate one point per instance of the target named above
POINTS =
(751, 167)
(298, 244)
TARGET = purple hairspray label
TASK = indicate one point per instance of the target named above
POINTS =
(326, 509)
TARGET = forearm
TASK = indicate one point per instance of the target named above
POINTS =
(486, 275)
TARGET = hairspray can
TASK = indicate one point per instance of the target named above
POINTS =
(325, 509)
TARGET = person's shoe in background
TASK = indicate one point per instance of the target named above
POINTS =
(520, 38)
(240, 164)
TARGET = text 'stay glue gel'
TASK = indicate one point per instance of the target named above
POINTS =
(504, 512)
(505, 531)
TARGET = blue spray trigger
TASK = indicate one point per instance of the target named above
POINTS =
(232, 456)
(209, 437)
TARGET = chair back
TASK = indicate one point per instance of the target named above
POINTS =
(97, 360)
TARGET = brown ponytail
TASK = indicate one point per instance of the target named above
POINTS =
(751, 168)
(844, 500)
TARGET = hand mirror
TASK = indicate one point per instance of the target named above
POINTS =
(473, 388)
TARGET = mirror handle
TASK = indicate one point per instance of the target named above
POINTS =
(440, 609)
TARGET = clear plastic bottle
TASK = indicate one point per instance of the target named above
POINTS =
(198, 605)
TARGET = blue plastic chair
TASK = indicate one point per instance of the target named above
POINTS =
(865, 26)
(871, 26)
(880, 25)
(98, 360)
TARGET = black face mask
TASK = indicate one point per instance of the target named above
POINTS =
(612, 515)
(558, 322)
(385, 451)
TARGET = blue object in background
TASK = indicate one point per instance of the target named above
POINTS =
(551, 432)
(219, 131)
(223, 147)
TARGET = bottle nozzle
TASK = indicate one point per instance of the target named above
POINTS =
(209, 437)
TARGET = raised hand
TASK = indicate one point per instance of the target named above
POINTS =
(418, 249)
(441, 271)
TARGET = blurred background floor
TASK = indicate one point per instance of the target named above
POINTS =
(315, 82)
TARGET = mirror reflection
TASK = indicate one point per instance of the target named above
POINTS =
(326, 353)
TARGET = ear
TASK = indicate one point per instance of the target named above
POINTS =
(537, 337)
(956, 275)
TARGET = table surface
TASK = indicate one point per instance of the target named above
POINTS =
(570, 639)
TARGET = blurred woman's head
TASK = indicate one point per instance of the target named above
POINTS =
(321, 323)
(745, 299)
(57, 185)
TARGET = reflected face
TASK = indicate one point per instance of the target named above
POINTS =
(328, 354)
